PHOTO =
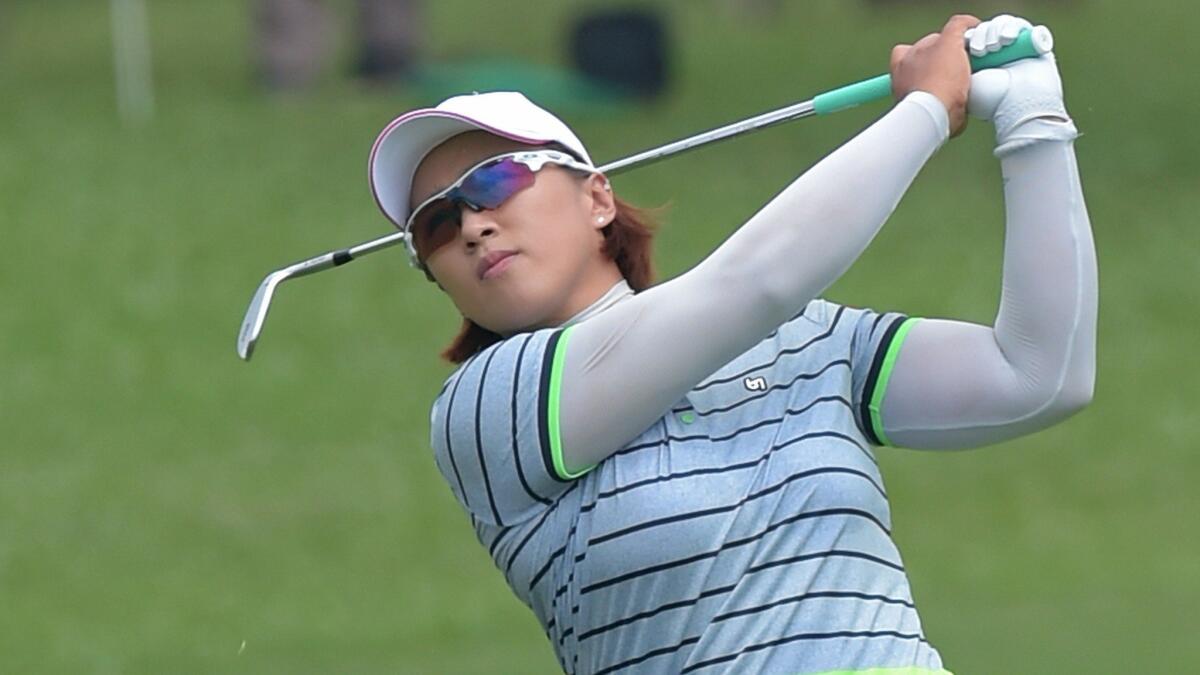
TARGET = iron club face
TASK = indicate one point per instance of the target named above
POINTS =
(256, 314)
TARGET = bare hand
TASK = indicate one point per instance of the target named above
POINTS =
(937, 64)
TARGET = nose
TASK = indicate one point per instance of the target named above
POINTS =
(477, 226)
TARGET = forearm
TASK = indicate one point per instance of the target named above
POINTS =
(960, 385)
(624, 368)
(807, 236)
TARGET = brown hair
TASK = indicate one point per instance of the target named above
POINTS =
(627, 242)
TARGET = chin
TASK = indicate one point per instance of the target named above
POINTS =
(522, 303)
(518, 316)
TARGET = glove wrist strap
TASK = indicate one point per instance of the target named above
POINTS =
(1046, 126)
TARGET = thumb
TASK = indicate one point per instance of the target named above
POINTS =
(988, 88)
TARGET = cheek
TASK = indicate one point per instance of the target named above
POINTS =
(557, 229)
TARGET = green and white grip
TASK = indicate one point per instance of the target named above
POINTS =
(1031, 43)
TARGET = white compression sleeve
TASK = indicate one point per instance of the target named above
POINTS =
(625, 367)
(957, 384)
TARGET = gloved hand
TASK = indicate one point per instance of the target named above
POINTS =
(1024, 100)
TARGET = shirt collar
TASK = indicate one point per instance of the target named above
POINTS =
(619, 292)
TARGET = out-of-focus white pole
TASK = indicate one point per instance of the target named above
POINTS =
(131, 60)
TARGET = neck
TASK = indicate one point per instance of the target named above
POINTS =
(616, 293)
(593, 287)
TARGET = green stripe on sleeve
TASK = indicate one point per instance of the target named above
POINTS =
(885, 373)
(888, 671)
(552, 409)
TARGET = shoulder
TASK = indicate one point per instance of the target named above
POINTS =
(827, 331)
(818, 316)
(514, 358)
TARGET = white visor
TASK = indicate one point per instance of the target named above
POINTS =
(406, 140)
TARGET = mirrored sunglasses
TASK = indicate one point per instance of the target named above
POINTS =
(486, 185)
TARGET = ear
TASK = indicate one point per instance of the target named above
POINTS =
(603, 205)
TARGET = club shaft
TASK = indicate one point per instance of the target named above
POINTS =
(795, 111)
(767, 119)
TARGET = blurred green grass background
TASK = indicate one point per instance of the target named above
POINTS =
(166, 508)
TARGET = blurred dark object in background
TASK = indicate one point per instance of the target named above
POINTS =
(623, 49)
(390, 32)
(294, 40)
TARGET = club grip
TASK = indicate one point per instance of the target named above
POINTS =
(1031, 43)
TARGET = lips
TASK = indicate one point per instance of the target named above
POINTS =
(492, 263)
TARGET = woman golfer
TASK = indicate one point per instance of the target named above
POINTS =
(680, 478)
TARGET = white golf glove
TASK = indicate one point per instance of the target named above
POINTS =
(1024, 100)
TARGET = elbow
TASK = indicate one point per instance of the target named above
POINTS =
(1076, 395)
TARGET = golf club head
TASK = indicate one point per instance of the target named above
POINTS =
(256, 314)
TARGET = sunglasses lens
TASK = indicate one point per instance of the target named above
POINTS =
(435, 226)
(491, 185)
(487, 187)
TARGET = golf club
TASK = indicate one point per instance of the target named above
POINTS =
(1031, 43)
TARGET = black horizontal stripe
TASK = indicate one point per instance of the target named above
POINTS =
(737, 432)
(667, 520)
(736, 505)
(562, 639)
(834, 553)
(794, 317)
(775, 387)
(778, 355)
(525, 540)
(612, 581)
(822, 434)
(801, 636)
(721, 590)
(563, 589)
(496, 542)
(662, 651)
(537, 526)
(811, 596)
(678, 604)
(875, 323)
(550, 561)
(647, 656)
(607, 494)
(652, 444)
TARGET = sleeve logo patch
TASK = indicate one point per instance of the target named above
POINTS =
(755, 383)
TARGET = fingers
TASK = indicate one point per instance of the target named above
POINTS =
(898, 53)
(927, 40)
(995, 34)
(959, 24)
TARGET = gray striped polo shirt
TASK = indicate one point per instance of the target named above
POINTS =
(746, 531)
